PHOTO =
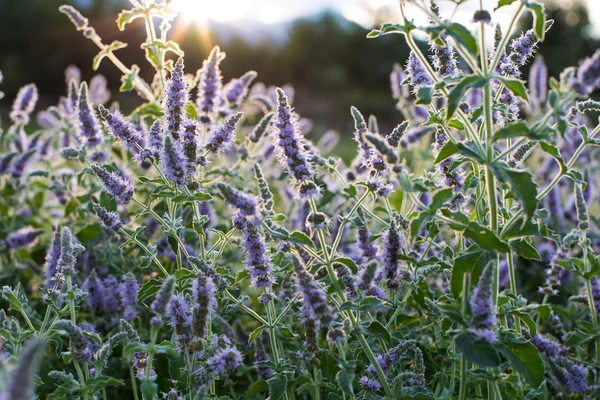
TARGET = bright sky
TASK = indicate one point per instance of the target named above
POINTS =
(275, 11)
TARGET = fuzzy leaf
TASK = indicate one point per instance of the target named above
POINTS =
(522, 184)
(459, 91)
(516, 86)
(525, 358)
(478, 351)
(277, 386)
(471, 262)
(524, 249)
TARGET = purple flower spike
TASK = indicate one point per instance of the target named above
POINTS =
(173, 161)
(203, 290)
(23, 237)
(181, 321)
(315, 298)
(122, 128)
(257, 259)
(69, 250)
(224, 360)
(163, 297)
(392, 243)
(88, 124)
(237, 90)
(223, 134)
(99, 93)
(93, 286)
(210, 84)
(155, 139)
(120, 188)
(444, 59)
(290, 142)
(18, 167)
(244, 202)
(75, 16)
(360, 129)
(417, 73)
(400, 90)
(190, 147)
(175, 100)
(128, 293)
(538, 83)
(52, 258)
(481, 301)
(109, 219)
(24, 104)
(588, 75)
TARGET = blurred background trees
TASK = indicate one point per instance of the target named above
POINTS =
(328, 58)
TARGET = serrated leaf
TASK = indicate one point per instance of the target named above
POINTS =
(300, 238)
(477, 350)
(472, 262)
(525, 358)
(277, 386)
(448, 150)
(516, 86)
(539, 19)
(519, 129)
(485, 238)
(459, 91)
(115, 45)
(128, 16)
(524, 249)
(522, 184)
(256, 388)
(127, 80)
(345, 379)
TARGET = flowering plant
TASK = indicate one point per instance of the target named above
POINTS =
(202, 247)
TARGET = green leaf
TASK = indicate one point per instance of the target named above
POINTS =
(524, 249)
(516, 86)
(449, 149)
(469, 149)
(472, 262)
(378, 329)
(425, 95)
(519, 129)
(256, 388)
(522, 185)
(277, 386)
(459, 91)
(525, 358)
(127, 80)
(502, 3)
(348, 262)
(116, 45)
(388, 28)
(128, 16)
(91, 233)
(149, 289)
(477, 350)
(485, 238)
(463, 36)
(148, 109)
(300, 238)
(539, 19)
(527, 320)
(345, 379)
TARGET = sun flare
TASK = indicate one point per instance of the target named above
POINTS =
(198, 11)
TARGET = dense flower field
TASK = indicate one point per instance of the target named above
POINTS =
(200, 247)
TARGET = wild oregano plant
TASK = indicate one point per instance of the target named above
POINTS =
(201, 247)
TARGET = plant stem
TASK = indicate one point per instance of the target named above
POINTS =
(462, 392)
